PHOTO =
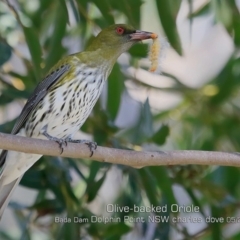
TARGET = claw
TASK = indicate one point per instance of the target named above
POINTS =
(92, 147)
(61, 142)
(58, 140)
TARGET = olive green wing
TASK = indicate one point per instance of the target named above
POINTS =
(39, 93)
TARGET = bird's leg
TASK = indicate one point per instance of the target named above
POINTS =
(92, 145)
(60, 141)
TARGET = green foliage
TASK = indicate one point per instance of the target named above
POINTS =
(66, 188)
(5, 51)
(115, 88)
(34, 48)
(167, 13)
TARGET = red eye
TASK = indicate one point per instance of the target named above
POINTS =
(120, 30)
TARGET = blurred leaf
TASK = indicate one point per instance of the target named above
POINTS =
(22, 222)
(7, 127)
(225, 177)
(5, 236)
(235, 237)
(70, 193)
(106, 10)
(94, 169)
(149, 185)
(100, 136)
(195, 200)
(145, 122)
(35, 16)
(69, 231)
(34, 46)
(226, 81)
(55, 45)
(163, 231)
(10, 94)
(222, 12)
(168, 14)
(216, 228)
(83, 13)
(202, 10)
(232, 179)
(126, 7)
(34, 178)
(143, 129)
(93, 187)
(132, 195)
(4, 99)
(17, 206)
(101, 126)
(5, 52)
(139, 50)
(26, 79)
(115, 88)
(160, 136)
(57, 169)
(73, 164)
(164, 183)
(75, 10)
(190, 7)
(114, 231)
(215, 194)
(235, 21)
(48, 206)
(64, 9)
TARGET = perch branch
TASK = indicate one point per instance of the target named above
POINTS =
(119, 156)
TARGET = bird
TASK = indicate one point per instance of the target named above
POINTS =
(64, 99)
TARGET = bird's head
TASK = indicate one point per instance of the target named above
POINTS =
(118, 38)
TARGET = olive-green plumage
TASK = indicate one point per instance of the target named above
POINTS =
(64, 99)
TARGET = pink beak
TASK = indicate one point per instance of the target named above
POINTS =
(142, 35)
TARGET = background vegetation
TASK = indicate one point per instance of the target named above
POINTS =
(38, 33)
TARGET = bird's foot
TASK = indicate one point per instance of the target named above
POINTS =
(91, 145)
(61, 142)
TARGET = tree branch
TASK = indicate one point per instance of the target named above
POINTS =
(118, 156)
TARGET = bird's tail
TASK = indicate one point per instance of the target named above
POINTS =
(6, 193)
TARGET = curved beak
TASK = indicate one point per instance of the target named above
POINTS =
(142, 35)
